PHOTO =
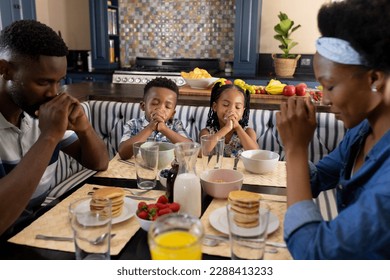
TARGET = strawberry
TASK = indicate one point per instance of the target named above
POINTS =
(142, 205)
(164, 211)
(151, 206)
(162, 199)
(174, 206)
(161, 205)
(153, 213)
(143, 215)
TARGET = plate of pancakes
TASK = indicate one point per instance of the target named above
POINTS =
(244, 204)
(123, 208)
(218, 219)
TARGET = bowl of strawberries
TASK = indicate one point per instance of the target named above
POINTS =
(148, 212)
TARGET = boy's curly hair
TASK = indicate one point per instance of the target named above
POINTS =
(218, 88)
(30, 38)
(161, 82)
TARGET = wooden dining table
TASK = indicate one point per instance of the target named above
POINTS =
(130, 241)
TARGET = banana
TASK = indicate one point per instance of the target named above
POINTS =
(240, 83)
(274, 87)
(220, 80)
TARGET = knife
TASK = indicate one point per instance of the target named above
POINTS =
(135, 197)
(226, 238)
(59, 238)
(54, 238)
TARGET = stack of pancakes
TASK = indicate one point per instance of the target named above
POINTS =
(116, 195)
(245, 206)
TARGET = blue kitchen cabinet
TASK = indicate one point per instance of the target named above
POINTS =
(246, 36)
(105, 43)
(13, 10)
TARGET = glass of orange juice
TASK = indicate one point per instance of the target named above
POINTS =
(176, 237)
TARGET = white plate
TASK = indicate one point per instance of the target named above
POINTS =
(218, 219)
(129, 209)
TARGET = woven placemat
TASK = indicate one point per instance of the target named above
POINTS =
(277, 178)
(55, 222)
(278, 207)
(118, 169)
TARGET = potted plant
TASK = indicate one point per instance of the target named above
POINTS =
(285, 63)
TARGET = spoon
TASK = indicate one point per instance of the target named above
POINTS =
(96, 241)
(236, 159)
(211, 242)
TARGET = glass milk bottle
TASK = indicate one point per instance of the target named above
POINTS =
(187, 190)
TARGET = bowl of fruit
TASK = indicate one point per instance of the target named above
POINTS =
(148, 212)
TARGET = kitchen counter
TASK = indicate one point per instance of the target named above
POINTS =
(134, 93)
(263, 79)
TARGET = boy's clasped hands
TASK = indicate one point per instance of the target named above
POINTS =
(158, 118)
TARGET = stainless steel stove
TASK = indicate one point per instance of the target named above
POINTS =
(140, 77)
(146, 69)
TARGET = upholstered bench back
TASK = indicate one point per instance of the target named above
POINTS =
(328, 134)
(108, 118)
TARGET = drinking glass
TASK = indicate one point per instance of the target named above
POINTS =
(248, 232)
(212, 151)
(91, 229)
(176, 237)
(146, 162)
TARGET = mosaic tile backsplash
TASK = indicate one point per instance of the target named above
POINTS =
(176, 29)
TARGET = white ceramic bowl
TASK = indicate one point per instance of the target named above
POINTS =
(145, 224)
(166, 153)
(162, 179)
(202, 83)
(219, 182)
(259, 161)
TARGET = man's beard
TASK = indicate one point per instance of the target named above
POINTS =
(31, 110)
(22, 104)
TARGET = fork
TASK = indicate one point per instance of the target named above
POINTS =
(128, 190)
(126, 161)
(135, 197)
(128, 193)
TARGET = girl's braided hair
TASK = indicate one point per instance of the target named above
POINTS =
(218, 88)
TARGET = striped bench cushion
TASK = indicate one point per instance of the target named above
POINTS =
(326, 202)
(108, 118)
(328, 134)
(68, 184)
